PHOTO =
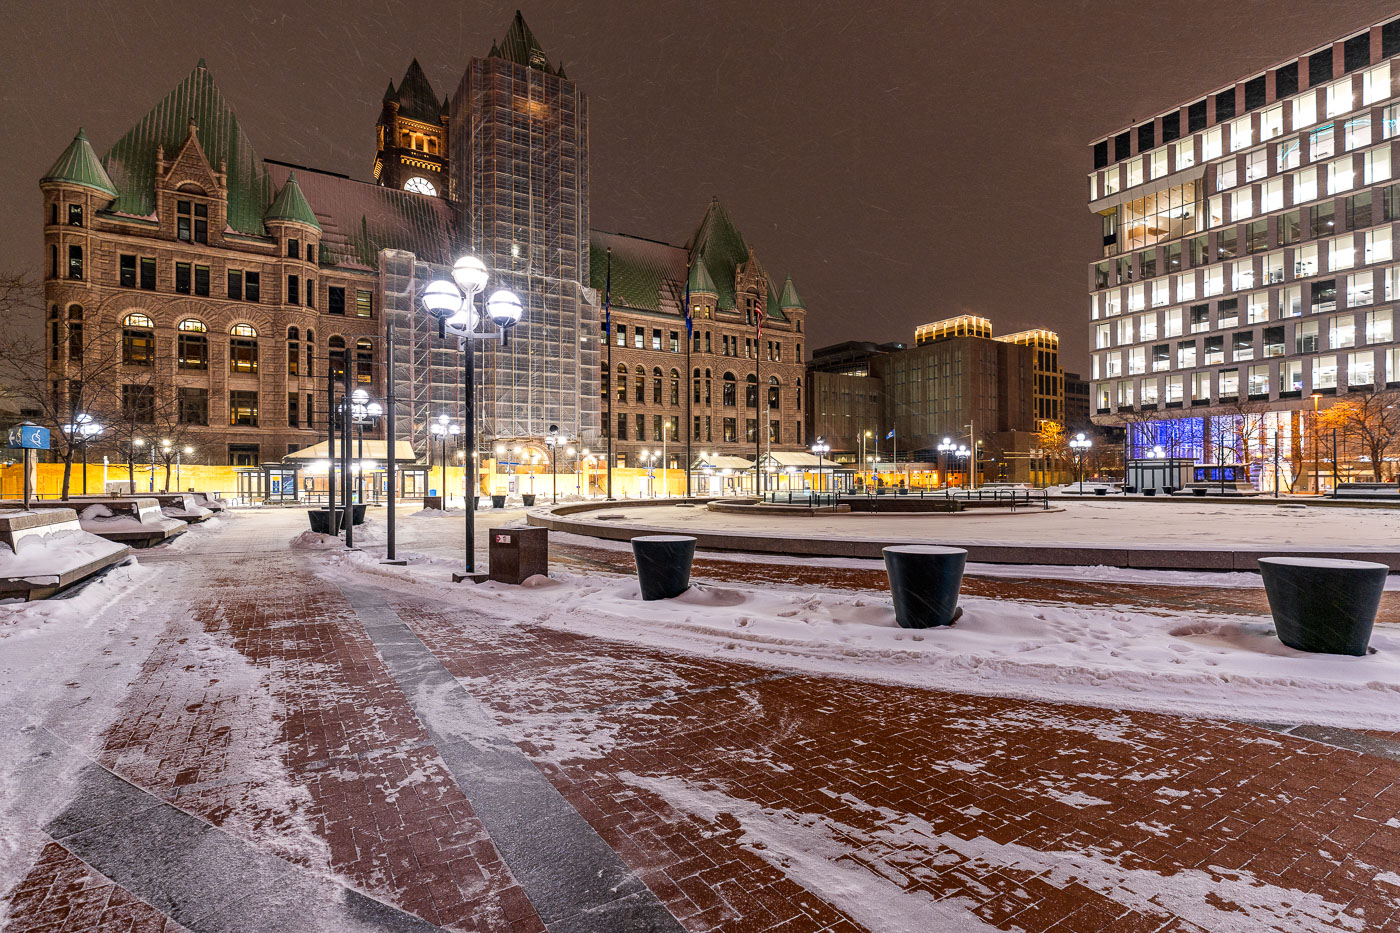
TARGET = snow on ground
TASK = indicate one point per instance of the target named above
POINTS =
(65, 666)
(1117, 523)
(1169, 661)
(869, 874)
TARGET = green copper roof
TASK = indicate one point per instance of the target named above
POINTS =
(291, 205)
(721, 248)
(519, 46)
(700, 281)
(79, 166)
(641, 269)
(771, 308)
(131, 162)
(416, 98)
(391, 94)
(790, 298)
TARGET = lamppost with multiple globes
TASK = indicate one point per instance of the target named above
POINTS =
(821, 448)
(453, 304)
(552, 440)
(1080, 445)
(80, 431)
(443, 428)
(363, 412)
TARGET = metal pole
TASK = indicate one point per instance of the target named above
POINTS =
(153, 468)
(607, 335)
(389, 442)
(360, 461)
(1275, 462)
(85, 466)
(348, 508)
(760, 403)
(1335, 478)
(469, 440)
(690, 377)
(1317, 464)
(330, 443)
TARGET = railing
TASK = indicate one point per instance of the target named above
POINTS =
(1012, 498)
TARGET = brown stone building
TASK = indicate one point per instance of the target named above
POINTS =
(958, 381)
(730, 359)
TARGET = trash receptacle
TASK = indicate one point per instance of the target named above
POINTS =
(527, 499)
(517, 554)
(321, 521)
(663, 564)
(924, 581)
(1323, 605)
(433, 502)
(498, 502)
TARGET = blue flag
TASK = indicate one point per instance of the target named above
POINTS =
(689, 318)
(890, 435)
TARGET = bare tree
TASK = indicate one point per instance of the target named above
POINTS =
(63, 378)
(1369, 418)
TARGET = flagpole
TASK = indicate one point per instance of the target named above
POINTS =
(691, 381)
(758, 400)
(607, 336)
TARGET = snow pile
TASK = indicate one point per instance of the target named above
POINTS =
(196, 533)
(42, 556)
(314, 541)
(94, 512)
(1169, 661)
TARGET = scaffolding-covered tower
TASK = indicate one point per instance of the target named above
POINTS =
(519, 153)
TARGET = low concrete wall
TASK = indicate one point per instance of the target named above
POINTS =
(570, 519)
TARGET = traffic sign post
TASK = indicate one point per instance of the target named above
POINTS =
(29, 437)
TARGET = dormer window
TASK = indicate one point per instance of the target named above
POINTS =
(191, 222)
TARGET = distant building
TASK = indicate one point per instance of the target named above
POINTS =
(1076, 403)
(958, 382)
(1245, 273)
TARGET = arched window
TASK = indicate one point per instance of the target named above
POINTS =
(622, 383)
(191, 345)
(774, 392)
(75, 333)
(337, 355)
(730, 389)
(243, 349)
(751, 391)
(138, 340)
(675, 387)
(641, 394)
(656, 386)
(293, 351)
(364, 361)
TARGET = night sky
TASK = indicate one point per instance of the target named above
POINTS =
(904, 161)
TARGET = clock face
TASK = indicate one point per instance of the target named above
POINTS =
(419, 185)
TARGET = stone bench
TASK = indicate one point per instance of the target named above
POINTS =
(182, 505)
(1366, 491)
(46, 550)
(136, 521)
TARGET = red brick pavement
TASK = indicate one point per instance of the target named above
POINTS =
(1034, 817)
(63, 895)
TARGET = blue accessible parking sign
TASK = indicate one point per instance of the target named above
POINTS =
(29, 436)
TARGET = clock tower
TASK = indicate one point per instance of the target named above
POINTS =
(412, 137)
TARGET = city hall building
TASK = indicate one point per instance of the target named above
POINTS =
(1247, 272)
(193, 287)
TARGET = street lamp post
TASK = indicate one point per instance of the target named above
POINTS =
(1317, 464)
(363, 412)
(551, 440)
(444, 428)
(453, 304)
(165, 457)
(946, 447)
(1080, 445)
(821, 448)
(82, 429)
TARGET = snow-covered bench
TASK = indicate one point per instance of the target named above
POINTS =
(184, 506)
(45, 550)
(136, 521)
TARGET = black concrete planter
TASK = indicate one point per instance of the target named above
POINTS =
(321, 521)
(1101, 491)
(924, 581)
(1149, 492)
(1323, 605)
(1129, 489)
(1199, 492)
(498, 502)
(358, 514)
(663, 564)
(528, 498)
(903, 491)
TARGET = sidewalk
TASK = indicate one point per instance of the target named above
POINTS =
(297, 748)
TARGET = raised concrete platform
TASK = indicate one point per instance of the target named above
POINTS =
(800, 541)
(136, 521)
(45, 551)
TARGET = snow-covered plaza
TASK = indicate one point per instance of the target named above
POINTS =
(253, 728)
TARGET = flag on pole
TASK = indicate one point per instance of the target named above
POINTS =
(689, 317)
(890, 435)
(607, 300)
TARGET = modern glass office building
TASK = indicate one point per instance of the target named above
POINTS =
(1247, 277)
